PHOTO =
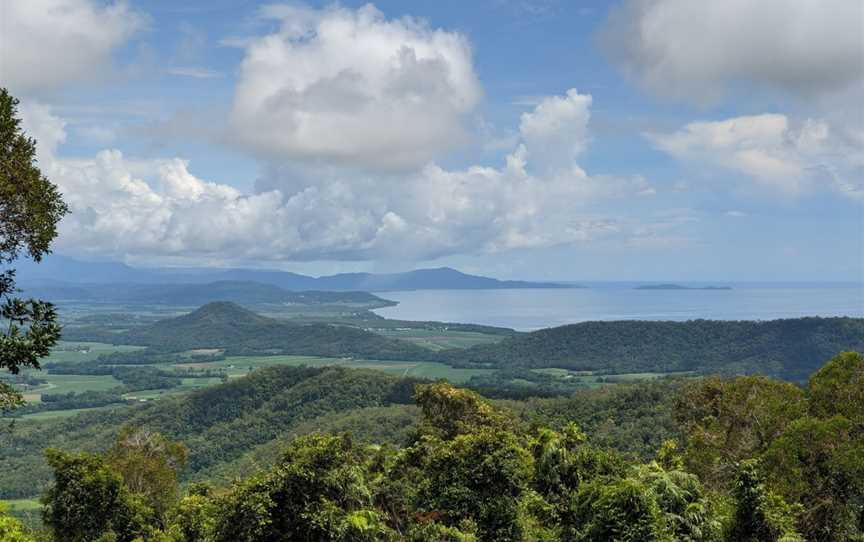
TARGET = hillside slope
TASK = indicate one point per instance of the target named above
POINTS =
(791, 348)
(219, 424)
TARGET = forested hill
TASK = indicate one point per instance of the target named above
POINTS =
(219, 424)
(234, 428)
(240, 331)
(791, 348)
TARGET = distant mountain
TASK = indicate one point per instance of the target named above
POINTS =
(198, 294)
(240, 331)
(57, 268)
(790, 348)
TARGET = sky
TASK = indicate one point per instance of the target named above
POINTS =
(536, 139)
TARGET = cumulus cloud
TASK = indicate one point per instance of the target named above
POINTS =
(697, 49)
(46, 43)
(792, 159)
(557, 128)
(159, 208)
(352, 87)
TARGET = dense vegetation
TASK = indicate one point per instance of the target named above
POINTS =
(790, 349)
(758, 460)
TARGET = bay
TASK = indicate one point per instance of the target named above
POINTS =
(532, 309)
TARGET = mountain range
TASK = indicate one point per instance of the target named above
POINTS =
(58, 269)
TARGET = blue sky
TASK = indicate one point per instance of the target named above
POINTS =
(630, 140)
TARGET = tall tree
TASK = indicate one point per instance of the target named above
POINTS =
(30, 208)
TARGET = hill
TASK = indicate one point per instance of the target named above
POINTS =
(219, 424)
(233, 429)
(247, 292)
(62, 269)
(240, 331)
(790, 348)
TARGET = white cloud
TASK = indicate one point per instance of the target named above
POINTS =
(768, 148)
(46, 43)
(157, 208)
(351, 87)
(697, 49)
(557, 129)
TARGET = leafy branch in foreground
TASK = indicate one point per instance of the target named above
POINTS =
(30, 209)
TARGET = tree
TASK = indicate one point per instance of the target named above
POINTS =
(318, 492)
(760, 515)
(88, 501)
(11, 530)
(838, 388)
(149, 465)
(30, 208)
(730, 420)
(820, 464)
(449, 411)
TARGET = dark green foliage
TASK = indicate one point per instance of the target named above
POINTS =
(633, 418)
(730, 420)
(318, 492)
(30, 208)
(88, 500)
(838, 388)
(760, 515)
(820, 464)
(468, 470)
(30, 205)
(791, 349)
(219, 424)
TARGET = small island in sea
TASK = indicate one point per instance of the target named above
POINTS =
(680, 287)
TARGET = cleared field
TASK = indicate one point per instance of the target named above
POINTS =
(439, 339)
(240, 365)
(71, 352)
(76, 383)
(591, 379)
(53, 414)
(17, 506)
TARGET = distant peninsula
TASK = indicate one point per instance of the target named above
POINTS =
(680, 287)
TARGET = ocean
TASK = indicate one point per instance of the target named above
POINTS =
(531, 309)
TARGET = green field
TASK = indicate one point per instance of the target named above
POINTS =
(53, 414)
(73, 352)
(439, 339)
(240, 365)
(76, 383)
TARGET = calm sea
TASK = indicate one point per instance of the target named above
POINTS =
(534, 309)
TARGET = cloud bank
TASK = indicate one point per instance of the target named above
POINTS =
(49, 43)
(159, 208)
(697, 50)
(351, 87)
(790, 159)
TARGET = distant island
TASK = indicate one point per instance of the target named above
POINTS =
(679, 287)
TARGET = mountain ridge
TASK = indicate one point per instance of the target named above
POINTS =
(58, 268)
